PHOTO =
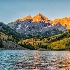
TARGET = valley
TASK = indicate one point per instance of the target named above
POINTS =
(35, 33)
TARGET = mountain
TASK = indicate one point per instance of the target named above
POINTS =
(38, 18)
(56, 42)
(23, 19)
(9, 37)
(41, 18)
(64, 21)
(37, 25)
(10, 32)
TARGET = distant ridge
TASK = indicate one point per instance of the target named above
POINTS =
(23, 19)
(64, 21)
(41, 18)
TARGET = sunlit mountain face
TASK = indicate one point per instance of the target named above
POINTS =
(64, 21)
(40, 24)
(41, 18)
(38, 18)
(23, 19)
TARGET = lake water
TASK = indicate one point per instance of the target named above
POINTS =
(34, 60)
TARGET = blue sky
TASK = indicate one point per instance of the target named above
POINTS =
(14, 9)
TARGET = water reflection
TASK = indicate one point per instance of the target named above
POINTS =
(34, 60)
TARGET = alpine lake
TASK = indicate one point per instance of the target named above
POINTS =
(34, 60)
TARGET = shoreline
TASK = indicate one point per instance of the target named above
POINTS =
(35, 50)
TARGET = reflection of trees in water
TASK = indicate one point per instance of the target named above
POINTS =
(55, 61)
(37, 59)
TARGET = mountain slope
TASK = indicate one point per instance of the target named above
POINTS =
(9, 38)
(10, 32)
(57, 42)
(41, 18)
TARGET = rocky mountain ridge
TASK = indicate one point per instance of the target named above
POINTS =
(38, 18)
(38, 24)
(64, 21)
(41, 18)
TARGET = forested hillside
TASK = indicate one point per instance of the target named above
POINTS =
(9, 39)
(57, 42)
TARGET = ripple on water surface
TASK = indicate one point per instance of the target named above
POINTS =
(34, 60)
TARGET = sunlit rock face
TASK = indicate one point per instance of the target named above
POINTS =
(64, 21)
(23, 19)
(39, 24)
(40, 18)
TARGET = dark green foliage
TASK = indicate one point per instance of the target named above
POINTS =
(56, 42)
(1, 43)
(28, 46)
(10, 32)
(52, 32)
(52, 37)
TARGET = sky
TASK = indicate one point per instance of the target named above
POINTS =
(11, 10)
